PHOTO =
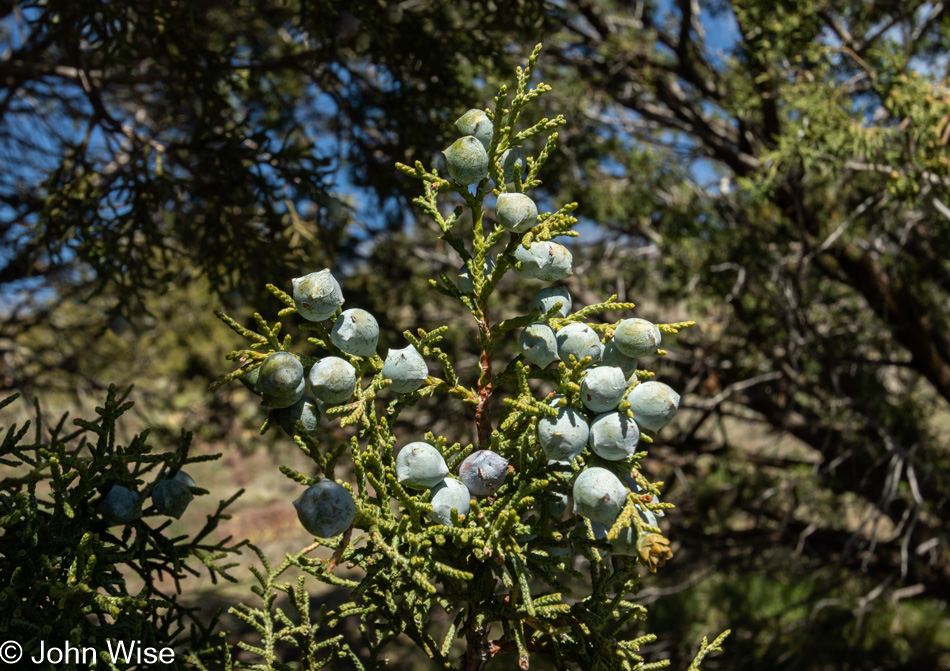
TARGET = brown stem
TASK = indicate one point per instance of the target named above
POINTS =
(482, 416)
(478, 651)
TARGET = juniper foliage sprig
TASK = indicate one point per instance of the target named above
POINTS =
(65, 571)
(503, 574)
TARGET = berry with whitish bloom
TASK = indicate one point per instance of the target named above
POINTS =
(637, 337)
(516, 212)
(614, 436)
(304, 411)
(326, 508)
(280, 380)
(602, 388)
(355, 332)
(538, 344)
(333, 380)
(447, 495)
(612, 356)
(625, 543)
(546, 261)
(477, 124)
(548, 297)
(580, 340)
(557, 507)
(467, 160)
(249, 377)
(120, 505)
(513, 159)
(420, 465)
(172, 495)
(654, 404)
(406, 368)
(317, 295)
(465, 283)
(563, 437)
(599, 495)
(483, 472)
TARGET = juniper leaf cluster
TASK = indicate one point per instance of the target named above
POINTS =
(492, 574)
(67, 570)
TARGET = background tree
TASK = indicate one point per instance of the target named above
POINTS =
(787, 162)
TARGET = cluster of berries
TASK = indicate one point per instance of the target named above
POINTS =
(612, 410)
(170, 496)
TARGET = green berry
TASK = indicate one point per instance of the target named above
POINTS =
(565, 436)
(558, 505)
(406, 368)
(476, 123)
(355, 332)
(249, 377)
(326, 508)
(467, 160)
(614, 436)
(317, 295)
(483, 472)
(654, 404)
(602, 388)
(333, 380)
(513, 159)
(599, 495)
(546, 261)
(548, 297)
(614, 357)
(538, 344)
(637, 337)
(280, 380)
(448, 495)
(420, 465)
(579, 340)
(304, 411)
(173, 494)
(120, 505)
(516, 212)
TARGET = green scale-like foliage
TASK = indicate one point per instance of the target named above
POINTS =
(495, 572)
(66, 573)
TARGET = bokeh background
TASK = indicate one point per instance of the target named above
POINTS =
(775, 170)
